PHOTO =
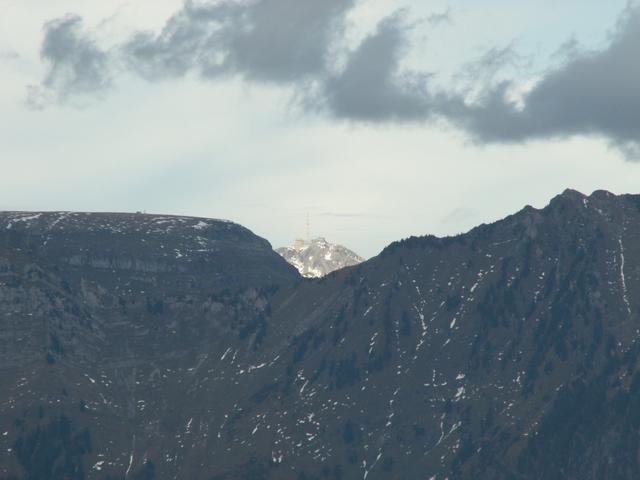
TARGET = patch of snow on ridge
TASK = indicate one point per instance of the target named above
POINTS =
(200, 225)
(23, 218)
(622, 277)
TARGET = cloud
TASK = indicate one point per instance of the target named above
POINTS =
(436, 19)
(460, 215)
(371, 86)
(279, 41)
(592, 93)
(348, 215)
(8, 54)
(484, 69)
(75, 64)
(292, 43)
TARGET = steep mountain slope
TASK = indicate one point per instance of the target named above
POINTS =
(105, 318)
(510, 352)
(317, 258)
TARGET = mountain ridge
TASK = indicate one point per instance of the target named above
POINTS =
(508, 352)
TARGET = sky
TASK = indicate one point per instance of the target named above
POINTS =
(381, 119)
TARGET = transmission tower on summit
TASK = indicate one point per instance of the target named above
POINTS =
(301, 243)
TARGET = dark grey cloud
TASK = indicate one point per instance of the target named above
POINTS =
(371, 87)
(272, 41)
(265, 40)
(75, 64)
(292, 43)
(593, 93)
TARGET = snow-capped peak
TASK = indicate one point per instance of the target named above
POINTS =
(318, 257)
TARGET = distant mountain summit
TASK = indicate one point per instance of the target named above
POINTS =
(317, 258)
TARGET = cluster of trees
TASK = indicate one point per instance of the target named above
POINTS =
(53, 451)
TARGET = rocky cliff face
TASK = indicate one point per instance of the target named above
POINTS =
(317, 258)
(103, 316)
(510, 352)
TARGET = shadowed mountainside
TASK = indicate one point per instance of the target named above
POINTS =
(149, 347)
